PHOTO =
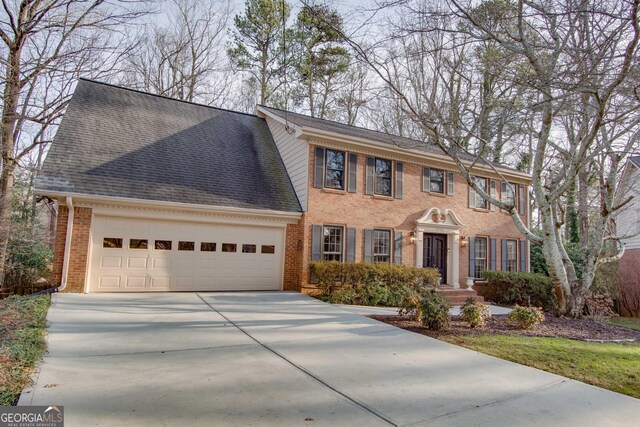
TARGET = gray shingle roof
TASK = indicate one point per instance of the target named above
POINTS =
(372, 135)
(119, 142)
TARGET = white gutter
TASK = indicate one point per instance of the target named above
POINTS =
(67, 246)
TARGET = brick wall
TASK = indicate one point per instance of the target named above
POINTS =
(79, 248)
(293, 256)
(327, 206)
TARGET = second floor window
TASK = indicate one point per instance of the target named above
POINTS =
(332, 243)
(436, 181)
(381, 246)
(334, 170)
(479, 201)
(480, 251)
(512, 255)
(507, 192)
(382, 183)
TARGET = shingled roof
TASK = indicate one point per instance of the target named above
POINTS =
(635, 160)
(124, 143)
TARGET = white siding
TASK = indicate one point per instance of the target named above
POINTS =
(628, 220)
(295, 155)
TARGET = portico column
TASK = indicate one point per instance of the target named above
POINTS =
(455, 260)
(419, 248)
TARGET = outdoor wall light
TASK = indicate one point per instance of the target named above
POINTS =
(412, 237)
(463, 241)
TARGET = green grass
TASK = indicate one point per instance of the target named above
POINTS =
(22, 342)
(608, 365)
(627, 322)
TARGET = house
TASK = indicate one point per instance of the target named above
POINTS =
(628, 228)
(157, 194)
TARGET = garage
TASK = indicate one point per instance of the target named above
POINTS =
(143, 254)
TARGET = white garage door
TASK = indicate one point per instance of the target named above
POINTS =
(134, 255)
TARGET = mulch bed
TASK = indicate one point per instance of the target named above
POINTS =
(562, 327)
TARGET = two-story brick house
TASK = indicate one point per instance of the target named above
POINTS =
(161, 195)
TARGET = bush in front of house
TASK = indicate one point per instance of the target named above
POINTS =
(434, 311)
(525, 317)
(474, 313)
(380, 284)
(521, 288)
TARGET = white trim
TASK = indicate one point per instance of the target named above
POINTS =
(67, 244)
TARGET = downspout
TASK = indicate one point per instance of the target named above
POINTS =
(67, 246)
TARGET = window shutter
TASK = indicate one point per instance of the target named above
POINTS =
(397, 248)
(493, 255)
(316, 243)
(450, 183)
(370, 170)
(493, 192)
(368, 245)
(472, 257)
(523, 200)
(472, 197)
(352, 185)
(351, 245)
(399, 182)
(523, 255)
(426, 179)
(318, 170)
(504, 255)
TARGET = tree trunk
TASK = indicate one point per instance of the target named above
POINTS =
(555, 266)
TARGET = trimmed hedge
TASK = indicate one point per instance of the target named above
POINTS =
(370, 284)
(521, 288)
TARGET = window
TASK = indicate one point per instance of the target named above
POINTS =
(334, 169)
(112, 242)
(248, 249)
(381, 246)
(507, 194)
(382, 177)
(480, 250)
(512, 255)
(332, 243)
(186, 246)
(138, 243)
(163, 245)
(436, 179)
(479, 201)
(268, 249)
(229, 247)
(207, 247)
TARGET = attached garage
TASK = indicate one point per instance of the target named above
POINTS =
(138, 254)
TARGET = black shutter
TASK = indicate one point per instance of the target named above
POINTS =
(450, 183)
(397, 248)
(523, 200)
(352, 185)
(472, 257)
(504, 255)
(370, 170)
(493, 254)
(399, 168)
(523, 255)
(368, 245)
(318, 170)
(351, 245)
(316, 243)
(426, 179)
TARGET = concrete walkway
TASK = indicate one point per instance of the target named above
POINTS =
(285, 359)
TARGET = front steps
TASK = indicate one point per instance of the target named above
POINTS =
(458, 296)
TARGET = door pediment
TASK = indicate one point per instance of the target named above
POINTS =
(440, 218)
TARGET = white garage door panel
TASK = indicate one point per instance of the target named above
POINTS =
(122, 269)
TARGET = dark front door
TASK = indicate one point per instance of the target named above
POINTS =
(434, 253)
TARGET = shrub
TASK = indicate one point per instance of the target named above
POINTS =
(525, 317)
(521, 288)
(434, 312)
(369, 284)
(474, 313)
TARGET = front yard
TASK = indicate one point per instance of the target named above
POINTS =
(611, 365)
(22, 342)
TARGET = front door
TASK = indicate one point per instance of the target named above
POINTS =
(435, 253)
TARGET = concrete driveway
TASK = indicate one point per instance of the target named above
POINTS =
(285, 359)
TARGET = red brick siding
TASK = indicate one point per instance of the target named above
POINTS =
(365, 211)
(79, 248)
(293, 256)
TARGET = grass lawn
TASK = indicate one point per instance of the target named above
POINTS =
(608, 365)
(22, 342)
(627, 322)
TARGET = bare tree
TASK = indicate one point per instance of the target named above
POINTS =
(184, 58)
(45, 45)
(574, 59)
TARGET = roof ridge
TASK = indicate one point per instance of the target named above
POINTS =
(197, 104)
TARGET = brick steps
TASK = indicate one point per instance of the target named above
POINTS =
(459, 296)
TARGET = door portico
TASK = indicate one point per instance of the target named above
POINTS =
(437, 221)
